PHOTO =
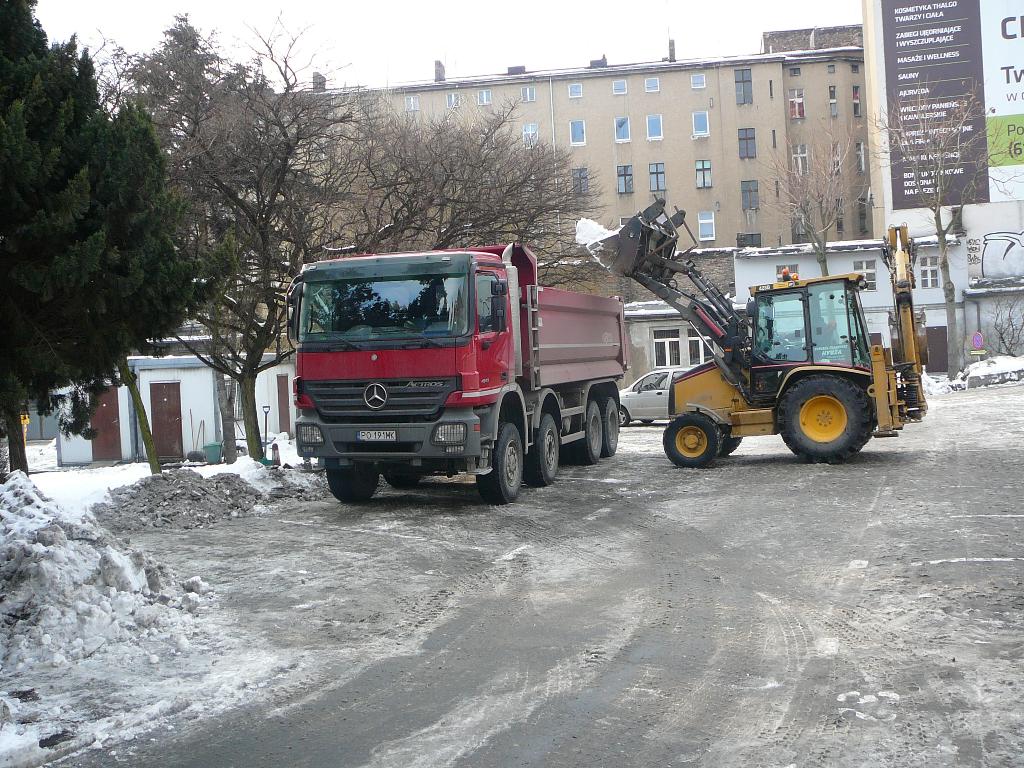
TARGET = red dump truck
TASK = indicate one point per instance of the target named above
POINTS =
(449, 362)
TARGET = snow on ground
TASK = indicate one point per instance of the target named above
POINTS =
(42, 455)
(1000, 369)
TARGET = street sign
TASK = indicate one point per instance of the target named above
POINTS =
(977, 340)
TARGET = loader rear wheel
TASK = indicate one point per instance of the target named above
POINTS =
(729, 444)
(825, 418)
(610, 427)
(542, 460)
(691, 440)
(353, 484)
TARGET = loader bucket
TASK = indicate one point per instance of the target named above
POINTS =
(648, 232)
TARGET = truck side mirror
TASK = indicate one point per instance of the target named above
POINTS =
(294, 297)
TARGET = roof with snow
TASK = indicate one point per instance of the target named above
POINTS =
(841, 246)
(994, 286)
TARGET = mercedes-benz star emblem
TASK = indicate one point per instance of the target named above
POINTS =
(375, 396)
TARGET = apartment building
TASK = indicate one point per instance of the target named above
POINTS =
(708, 135)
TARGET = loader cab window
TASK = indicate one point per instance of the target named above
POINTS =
(837, 334)
(781, 334)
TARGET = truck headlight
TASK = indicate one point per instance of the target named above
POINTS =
(310, 434)
(447, 434)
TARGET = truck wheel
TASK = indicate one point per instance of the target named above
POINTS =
(588, 450)
(691, 440)
(353, 484)
(501, 485)
(729, 444)
(825, 418)
(401, 480)
(542, 460)
(624, 417)
(610, 427)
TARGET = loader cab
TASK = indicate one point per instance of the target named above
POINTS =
(806, 322)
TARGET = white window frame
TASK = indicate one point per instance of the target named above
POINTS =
(583, 126)
(698, 81)
(615, 130)
(661, 129)
(531, 134)
(652, 84)
(412, 103)
(929, 266)
(796, 104)
(801, 161)
(483, 97)
(578, 87)
(528, 93)
(695, 341)
(705, 218)
(453, 100)
(707, 123)
(861, 158)
(619, 87)
(868, 268)
(668, 341)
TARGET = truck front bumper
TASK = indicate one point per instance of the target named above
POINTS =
(415, 444)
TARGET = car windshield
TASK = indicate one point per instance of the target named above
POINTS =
(384, 307)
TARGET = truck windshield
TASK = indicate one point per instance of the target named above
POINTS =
(384, 307)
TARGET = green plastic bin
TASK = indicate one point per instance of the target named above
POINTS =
(213, 452)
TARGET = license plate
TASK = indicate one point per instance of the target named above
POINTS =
(377, 435)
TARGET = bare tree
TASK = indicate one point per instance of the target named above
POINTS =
(815, 176)
(459, 179)
(939, 154)
(252, 151)
(1005, 330)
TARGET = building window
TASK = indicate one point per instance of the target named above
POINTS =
(657, 175)
(531, 134)
(837, 157)
(706, 225)
(861, 161)
(771, 89)
(833, 104)
(624, 179)
(453, 100)
(483, 97)
(703, 174)
(786, 271)
(621, 129)
(654, 128)
(748, 143)
(744, 87)
(618, 87)
(840, 226)
(652, 84)
(700, 124)
(580, 181)
(799, 227)
(794, 71)
(800, 158)
(866, 267)
(856, 101)
(748, 195)
(575, 90)
(831, 68)
(528, 93)
(748, 240)
(774, 140)
(929, 271)
(577, 133)
(697, 348)
(862, 215)
(855, 67)
(412, 103)
(796, 103)
(698, 82)
(666, 347)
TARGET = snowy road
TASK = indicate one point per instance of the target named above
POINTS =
(758, 613)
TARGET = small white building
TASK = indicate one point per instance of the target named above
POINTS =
(179, 394)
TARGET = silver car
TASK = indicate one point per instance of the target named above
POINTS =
(646, 399)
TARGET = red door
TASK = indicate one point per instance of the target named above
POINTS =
(165, 404)
(284, 404)
(106, 420)
(938, 353)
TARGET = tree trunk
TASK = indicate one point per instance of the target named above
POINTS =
(227, 419)
(129, 380)
(954, 345)
(250, 416)
(15, 437)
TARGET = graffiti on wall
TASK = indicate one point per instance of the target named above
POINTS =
(1002, 254)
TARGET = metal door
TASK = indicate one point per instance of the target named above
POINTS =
(106, 420)
(165, 404)
(938, 354)
(284, 404)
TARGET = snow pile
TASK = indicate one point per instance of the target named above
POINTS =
(67, 587)
(935, 386)
(995, 370)
(589, 232)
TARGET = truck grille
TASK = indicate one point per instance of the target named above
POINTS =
(408, 400)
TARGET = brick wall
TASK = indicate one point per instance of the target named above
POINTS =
(812, 38)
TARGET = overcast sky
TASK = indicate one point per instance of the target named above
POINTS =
(377, 43)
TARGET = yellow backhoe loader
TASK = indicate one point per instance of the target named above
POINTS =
(798, 362)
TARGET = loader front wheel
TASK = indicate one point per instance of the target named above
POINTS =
(691, 440)
(825, 418)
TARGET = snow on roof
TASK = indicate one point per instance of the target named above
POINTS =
(988, 286)
(841, 246)
(649, 309)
